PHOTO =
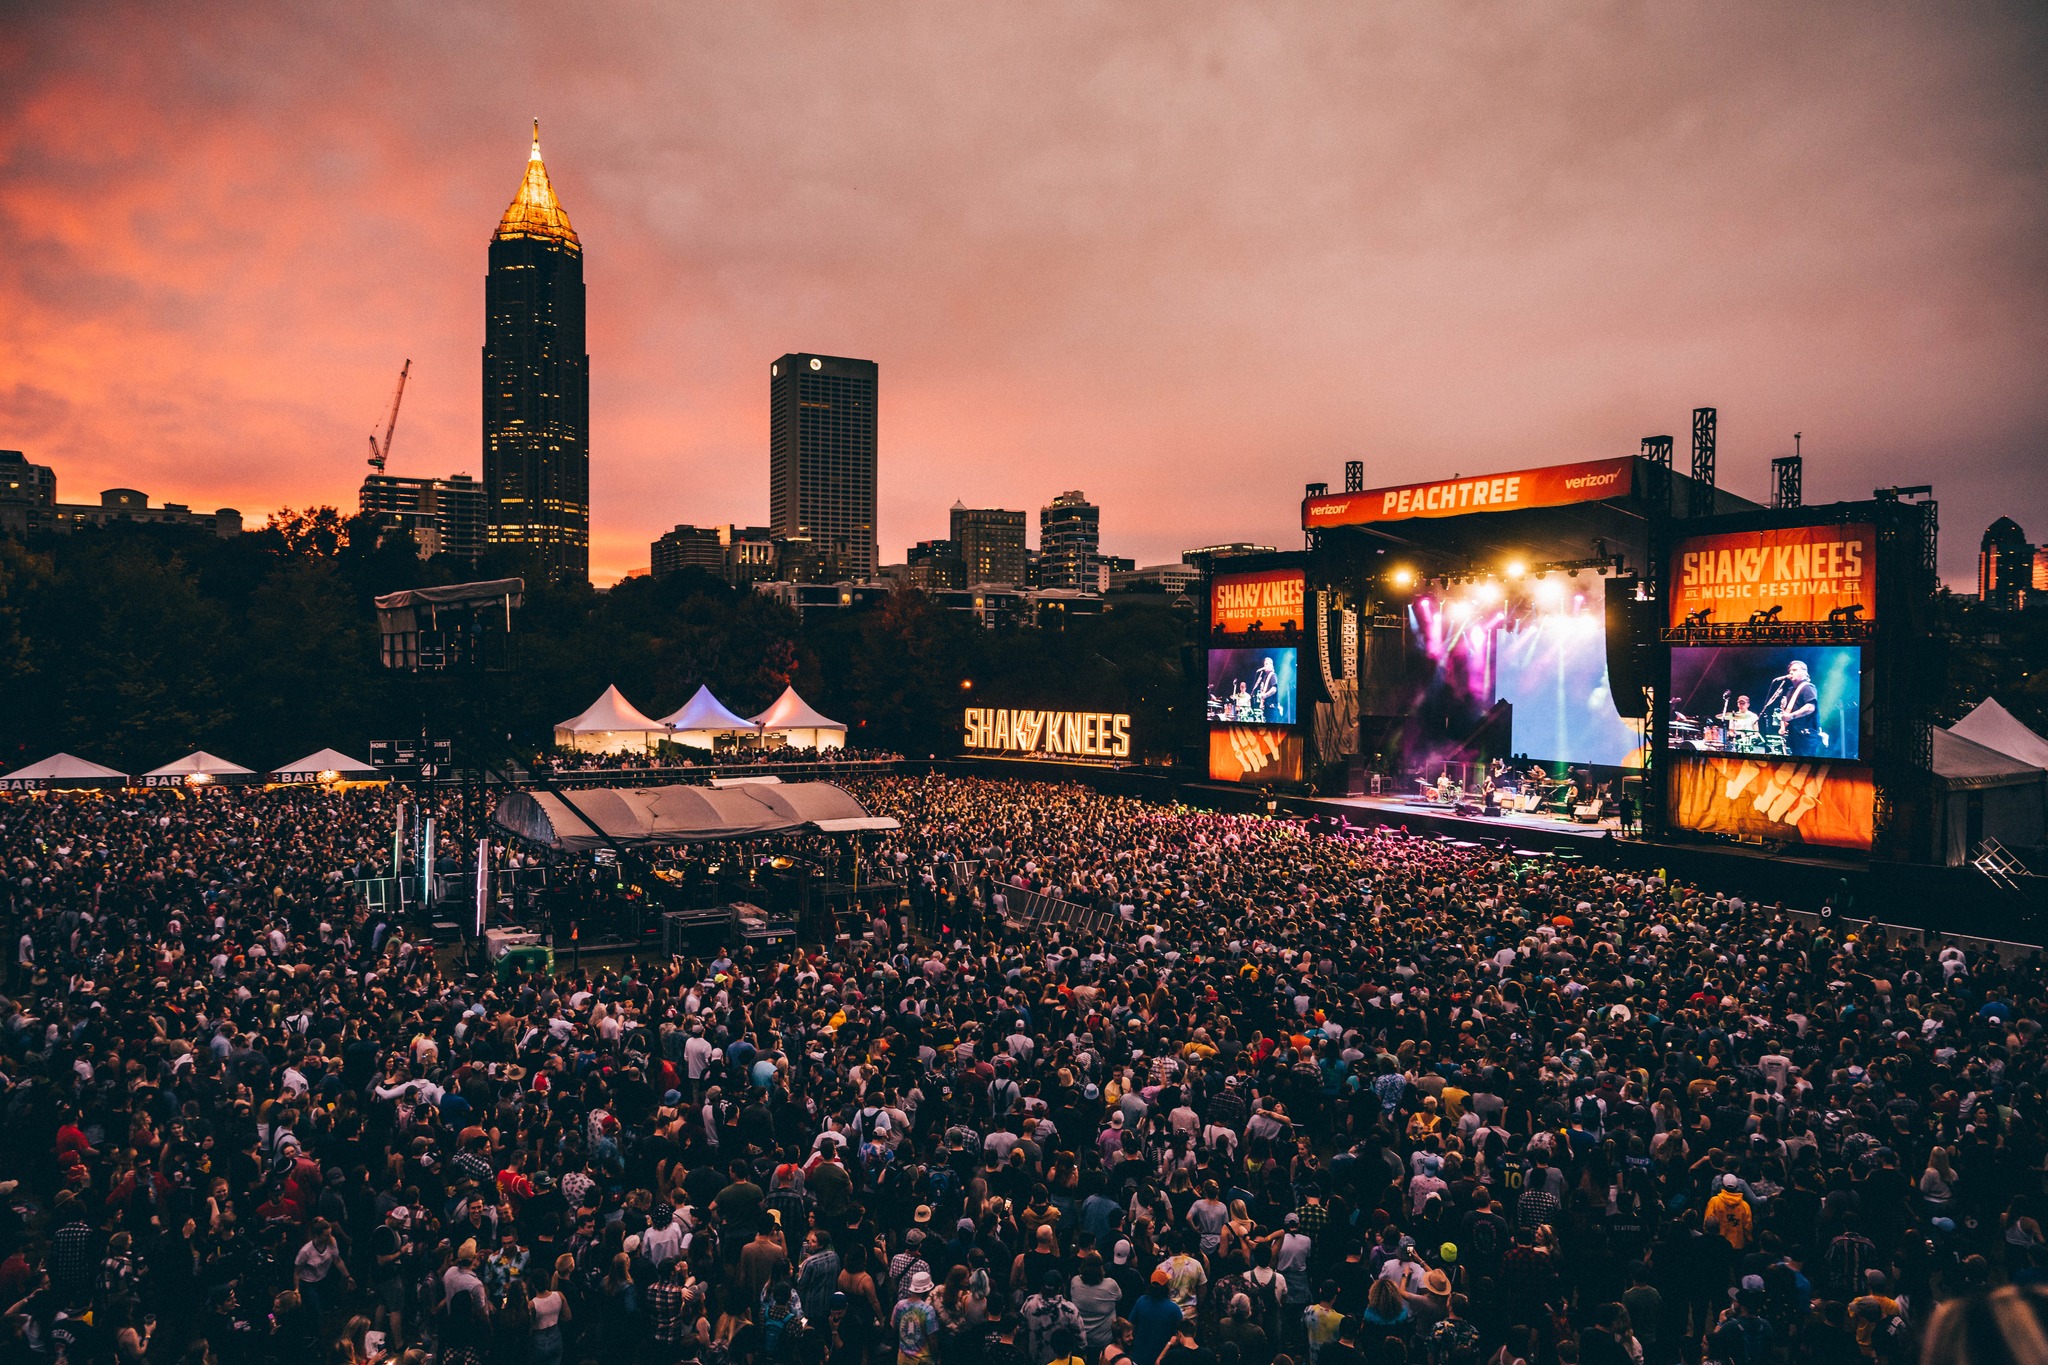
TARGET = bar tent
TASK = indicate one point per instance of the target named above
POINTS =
(612, 725)
(326, 765)
(63, 772)
(680, 814)
(1986, 794)
(197, 769)
(792, 718)
(703, 718)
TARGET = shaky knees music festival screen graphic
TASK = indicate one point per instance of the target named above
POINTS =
(1787, 701)
(1830, 804)
(1252, 686)
(1272, 600)
(1800, 573)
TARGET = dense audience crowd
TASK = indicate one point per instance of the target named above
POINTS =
(1322, 1099)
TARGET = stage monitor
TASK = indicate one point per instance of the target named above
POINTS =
(1787, 701)
(1784, 800)
(1550, 664)
(1270, 600)
(1252, 686)
(1255, 754)
(1802, 573)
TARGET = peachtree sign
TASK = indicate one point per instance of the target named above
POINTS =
(1059, 734)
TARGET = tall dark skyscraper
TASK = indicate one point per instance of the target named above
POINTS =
(537, 383)
(821, 456)
(1069, 539)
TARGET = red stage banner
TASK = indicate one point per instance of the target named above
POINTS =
(1830, 804)
(1254, 754)
(1554, 486)
(1270, 600)
(1804, 571)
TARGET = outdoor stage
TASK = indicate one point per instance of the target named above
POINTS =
(1526, 830)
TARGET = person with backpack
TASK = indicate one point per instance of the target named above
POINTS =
(782, 1317)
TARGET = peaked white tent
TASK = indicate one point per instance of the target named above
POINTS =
(612, 725)
(62, 772)
(703, 718)
(196, 769)
(1985, 794)
(326, 765)
(1994, 727)
(792, 719)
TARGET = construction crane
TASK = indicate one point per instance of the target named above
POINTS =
(380, 453)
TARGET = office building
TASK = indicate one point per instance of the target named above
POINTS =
(687, 547)
(1206, 556)
(2005, 565)
(445, 516)
(934, 565)
(821, 460)
(1069, 538)
(990, 543)
(1171, 579)
(537, 383)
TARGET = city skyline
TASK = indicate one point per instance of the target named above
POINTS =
(1186, 261)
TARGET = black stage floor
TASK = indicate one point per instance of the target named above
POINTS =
(1541, 832)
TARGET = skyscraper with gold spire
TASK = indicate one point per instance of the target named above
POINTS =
(537, 383)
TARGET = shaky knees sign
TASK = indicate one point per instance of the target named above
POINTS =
(1271, 600)
(1804, 571)
(1094, 735)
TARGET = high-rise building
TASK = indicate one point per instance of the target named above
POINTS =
(821, 459)
(445, 516)
(990, 543)
(2005, 564)
(1069, 538)
(934, 565)
(537, 383)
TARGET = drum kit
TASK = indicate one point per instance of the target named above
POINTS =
(1722, 739)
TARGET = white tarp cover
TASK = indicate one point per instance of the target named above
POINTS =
(62, 770)
(1994, 727)
(1960, 762)
(678, 814)
(611, 725)
(704, 714)
(327, 761)
(200, 763)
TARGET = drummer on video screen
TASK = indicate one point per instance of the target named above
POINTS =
(1742, 720)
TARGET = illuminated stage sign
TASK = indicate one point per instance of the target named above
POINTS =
(1271, 601)
(1254, 754)
(1804, 571)
(1556, 486)
(1054, 734)
(1784, 800)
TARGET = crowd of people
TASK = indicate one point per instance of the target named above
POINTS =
(1314, 1098)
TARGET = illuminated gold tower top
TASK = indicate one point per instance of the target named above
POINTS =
(534, 211)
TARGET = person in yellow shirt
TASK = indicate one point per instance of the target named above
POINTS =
(1731, 1211)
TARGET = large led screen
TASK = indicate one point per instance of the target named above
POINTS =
(1786, 701)
(1254, 754)
(1252, 686)
(1550, 664)
(1776, 799)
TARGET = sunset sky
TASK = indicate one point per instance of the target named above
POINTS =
(1184, 257)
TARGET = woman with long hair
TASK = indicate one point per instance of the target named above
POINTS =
(551, 1313)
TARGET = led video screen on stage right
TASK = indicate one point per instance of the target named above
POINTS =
(1790, 701)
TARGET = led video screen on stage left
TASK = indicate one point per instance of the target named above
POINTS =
(1788, 701)
(1253, 686)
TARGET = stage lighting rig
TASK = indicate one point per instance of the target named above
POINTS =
(1698, 618)
(1845, 615)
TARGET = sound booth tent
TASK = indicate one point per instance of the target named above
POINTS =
(703, 718)
(612, 725)
(792, 718)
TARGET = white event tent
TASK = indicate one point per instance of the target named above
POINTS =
(197, 769)
(703, 718)
(792, 718)
(62, 772)
(326, 765)
(612, 725)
